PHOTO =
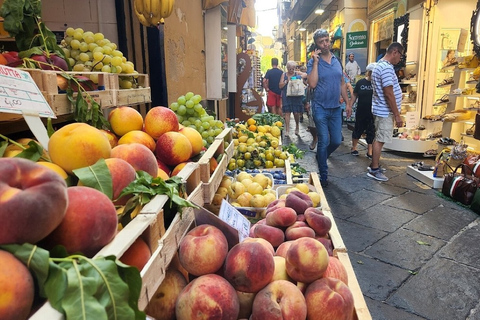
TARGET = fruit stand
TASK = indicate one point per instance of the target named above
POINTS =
(124, 191)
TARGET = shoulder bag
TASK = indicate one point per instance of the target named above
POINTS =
(459, 186)
(295, 87)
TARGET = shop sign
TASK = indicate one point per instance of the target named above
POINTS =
(357, 39)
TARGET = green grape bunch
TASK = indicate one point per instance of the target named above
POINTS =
(87, 51)
(191, 113)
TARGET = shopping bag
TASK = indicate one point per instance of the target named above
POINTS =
(459, 186)
(295, 88)
(473, 163)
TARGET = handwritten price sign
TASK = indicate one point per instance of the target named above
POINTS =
(20, 94)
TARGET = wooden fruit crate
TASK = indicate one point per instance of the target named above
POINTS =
(211, 181)
(193, 184)
(128, 97)
(227, 136)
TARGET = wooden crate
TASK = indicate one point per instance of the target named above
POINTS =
(128, 97)
(227, 136)
(193, 184)
(360, 306)
(211, 181)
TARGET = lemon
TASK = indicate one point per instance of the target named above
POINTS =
(251, 121)
(303, 187)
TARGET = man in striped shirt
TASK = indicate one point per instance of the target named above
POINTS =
(386, 103)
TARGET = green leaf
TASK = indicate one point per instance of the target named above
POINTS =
(33, 152)
(50, 129)
(3, 146)
(112, 292)
(97, 176)
(423, 243)
(79, 302)
(56, 285)
(131, 276)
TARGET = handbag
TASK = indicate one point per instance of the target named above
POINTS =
(475, 206)
(460, 186)
(472, 162)
(476, 133)
(295, 88)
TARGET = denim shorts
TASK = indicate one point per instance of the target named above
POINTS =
(384, 128)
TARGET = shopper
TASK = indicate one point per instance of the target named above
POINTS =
(325, 76)
(386, 102)
(352, 68)
(291, 104)
(363, 116)
(270, 83)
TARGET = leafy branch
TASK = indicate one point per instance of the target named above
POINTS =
(82, 288)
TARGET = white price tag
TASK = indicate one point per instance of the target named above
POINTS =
(235, 219)
(412, 119)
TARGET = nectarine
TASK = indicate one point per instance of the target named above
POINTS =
(160, 120)
(124, 119)
(139, 157)
(173, 148)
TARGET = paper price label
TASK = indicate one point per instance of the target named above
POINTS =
(235, 219)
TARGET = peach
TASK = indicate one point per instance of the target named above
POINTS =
(163, 166)
(336, 270)
(122, 174)
(112, 138)
(137, 255)
(26, 187)
(160, 120)
(272, 234)
(327, 243)
(249, 266)
(54, 167)
(178, 168)
(280, 269)
(298, 201)
(137, 136)
(173, 148)
(203, 250)
(16, 288)
(208, 297)
(162, 304)
(162, 174)
(329, 298)
(78, 145)
(139, 157)
(281, 217)
(195, 139)
(283, 248)
(124, 119)
(213, 164)
(295, 232)
(275, 204)
(279, 300)
(90, 222)
(318, 221)
(307, 260)
(263, 242)
(246, 303)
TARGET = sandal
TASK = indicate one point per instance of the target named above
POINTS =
(470, 131)
(430, 153)
(445, 82)
(442, 100)
(313, 145)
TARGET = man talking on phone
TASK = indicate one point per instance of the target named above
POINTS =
(325, 75)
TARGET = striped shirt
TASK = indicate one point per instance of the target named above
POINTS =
(383, 76)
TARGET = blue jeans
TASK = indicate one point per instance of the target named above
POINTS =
(329, 132)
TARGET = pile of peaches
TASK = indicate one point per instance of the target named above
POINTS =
(284, 270)
(38, 205)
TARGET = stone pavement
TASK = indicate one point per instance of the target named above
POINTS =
(416, 255)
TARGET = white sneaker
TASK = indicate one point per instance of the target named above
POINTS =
(377, 175)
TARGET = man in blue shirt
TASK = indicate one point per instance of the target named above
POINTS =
(386, 103)
(325, 75)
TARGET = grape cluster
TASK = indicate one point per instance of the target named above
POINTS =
(87, 51)
(190, 113)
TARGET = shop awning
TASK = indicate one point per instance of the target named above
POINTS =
(248, 14)
(302, 9)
